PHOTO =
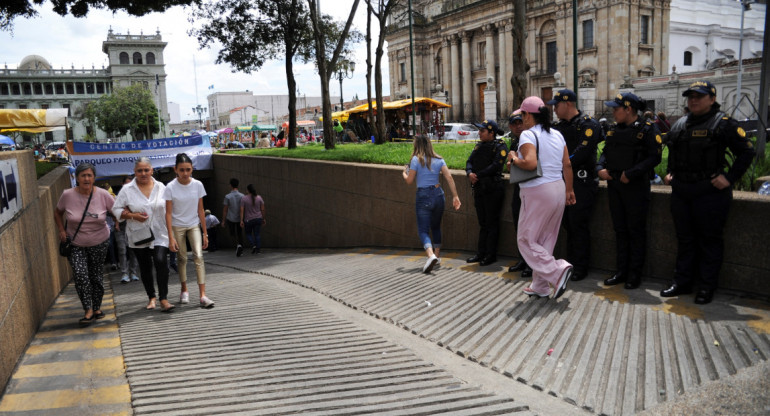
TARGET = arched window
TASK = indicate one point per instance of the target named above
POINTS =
(687, 58)
(548, 51)
(150, 58)
(123, 58)
(137, 58)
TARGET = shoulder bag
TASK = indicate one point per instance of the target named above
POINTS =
(519, 175)
(65, 247)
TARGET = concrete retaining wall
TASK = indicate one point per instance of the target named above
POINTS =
(332, 204)
(31, 272)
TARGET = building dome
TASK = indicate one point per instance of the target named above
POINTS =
(34, 62)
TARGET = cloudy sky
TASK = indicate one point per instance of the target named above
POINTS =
(67, 41)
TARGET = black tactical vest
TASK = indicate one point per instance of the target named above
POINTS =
(483, 155)
(624, 148)
(694, 150)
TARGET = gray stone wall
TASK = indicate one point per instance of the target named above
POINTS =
(31, 271)
(332, 204)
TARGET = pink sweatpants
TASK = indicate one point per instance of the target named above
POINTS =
(542, 207)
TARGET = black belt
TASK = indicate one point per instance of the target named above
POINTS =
(691, 177)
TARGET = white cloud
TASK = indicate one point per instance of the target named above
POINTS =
(67, 41)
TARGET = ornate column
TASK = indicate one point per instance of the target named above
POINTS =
(502, 56)
(467, 102)
(455, 90)
(490, 93)
(446, 66)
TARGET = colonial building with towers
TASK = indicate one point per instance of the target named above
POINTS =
(132, 59)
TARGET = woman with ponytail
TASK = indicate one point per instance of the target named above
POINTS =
(253, 217)
(543, 198)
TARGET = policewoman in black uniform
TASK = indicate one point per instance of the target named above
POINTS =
(632, 149)
(701, 181)
(582, 134)
(484, 169)
(516, 125)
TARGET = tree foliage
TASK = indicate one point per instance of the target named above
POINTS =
(381, 10)
(126, 110)
(12, 9)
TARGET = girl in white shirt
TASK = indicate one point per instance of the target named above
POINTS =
(185, 218)
(140, 203)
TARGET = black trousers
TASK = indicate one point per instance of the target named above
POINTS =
(147, 258)
(488, 207)
(235, 231)
(577, 222)
(628, 208)
(700, 213)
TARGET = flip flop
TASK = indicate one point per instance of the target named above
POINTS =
(169, 309)
(98, 315)
(86, 321)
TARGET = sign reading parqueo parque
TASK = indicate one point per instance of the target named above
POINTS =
(10, 190)
(117, 159)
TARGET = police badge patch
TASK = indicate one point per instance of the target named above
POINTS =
(741, 132)
(589, 133)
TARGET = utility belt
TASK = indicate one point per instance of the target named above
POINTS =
(585, 175)
(488, 185)
(692, 177)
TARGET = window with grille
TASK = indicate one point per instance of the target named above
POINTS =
(588, 34)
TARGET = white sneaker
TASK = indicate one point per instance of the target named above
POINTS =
(432, 260)
(239, 251)
(207, 303)
(135, 278)
(184, 297)
(125, 279)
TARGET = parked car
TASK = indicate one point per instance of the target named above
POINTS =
(460, 131)
(54, 145)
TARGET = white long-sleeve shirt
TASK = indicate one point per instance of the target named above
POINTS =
(131, 197)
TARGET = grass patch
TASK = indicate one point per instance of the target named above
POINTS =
(455, 154)
(42, 168)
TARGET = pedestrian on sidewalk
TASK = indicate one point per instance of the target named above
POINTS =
(543, 198)
(184, 219)
(129, 267)
(426, 166)
(85, 208)
(231, 215)
(253, 217)
(211, 225)
(141, 204)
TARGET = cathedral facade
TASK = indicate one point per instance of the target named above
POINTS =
(463, 50)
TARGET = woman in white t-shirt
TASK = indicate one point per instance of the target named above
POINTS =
(184, 218)
(543, 199)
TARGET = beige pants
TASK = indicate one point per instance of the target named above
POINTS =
(194, 235)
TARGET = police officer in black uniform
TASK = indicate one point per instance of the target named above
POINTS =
(484, 168)
(516, 125)
(701, 181)
(582, 134)
(632, 149)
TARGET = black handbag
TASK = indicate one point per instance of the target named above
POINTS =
(65, 247)
(141, 236)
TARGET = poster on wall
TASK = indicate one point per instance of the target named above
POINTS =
(10, 190)
(117, 159)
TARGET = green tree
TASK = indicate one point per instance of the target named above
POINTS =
(326, 64)
(12, 9)
(252, 32)
(381, 10)
(126, 110)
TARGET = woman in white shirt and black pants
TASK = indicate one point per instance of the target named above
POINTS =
(140, 203)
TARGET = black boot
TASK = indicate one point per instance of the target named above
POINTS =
(675, 290)
(616, 279)
(527, 272)
(475, 259)
(521, 265)
(704, 296)
(487, 260)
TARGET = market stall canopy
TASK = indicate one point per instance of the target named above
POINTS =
(7, 140)
(264, 127)
(225, 131)
(33, 120)
(300, 123)
(239, 129)
(423, 103)
(341, 116)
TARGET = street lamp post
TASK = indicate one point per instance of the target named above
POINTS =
(344, 70)
(199, 110)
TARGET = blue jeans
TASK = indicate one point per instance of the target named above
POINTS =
(252, 232)
(429, 206)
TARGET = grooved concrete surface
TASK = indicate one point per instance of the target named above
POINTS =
(606, 356)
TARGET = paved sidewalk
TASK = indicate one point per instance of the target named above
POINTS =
(351, 331)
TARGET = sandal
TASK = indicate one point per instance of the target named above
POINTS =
(84, 321)
(531, 292)
(98, 315)
(169, 308)
(151, 306)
